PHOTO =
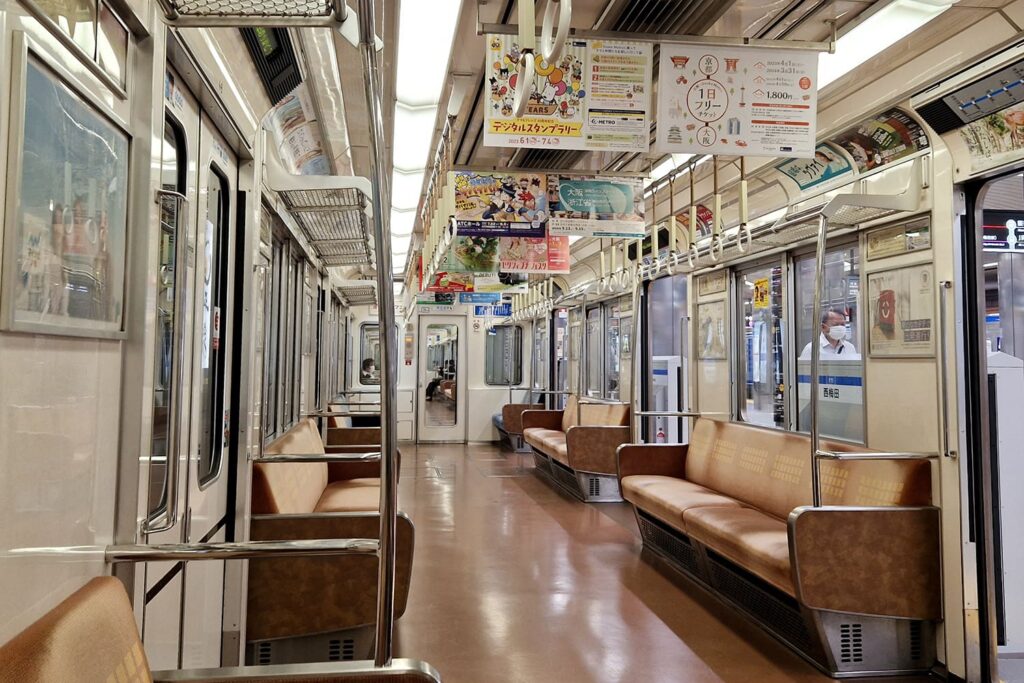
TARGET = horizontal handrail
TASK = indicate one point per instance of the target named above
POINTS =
(665, 413)
(893, 455)
(557, 392)
(344, 413)
(323, 457)
(250, 550)
(596, 400)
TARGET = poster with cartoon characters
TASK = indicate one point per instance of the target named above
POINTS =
(534, 254)
(596, 206)
(596, 97)
(500, 204)
(826, 164)
(739, 101)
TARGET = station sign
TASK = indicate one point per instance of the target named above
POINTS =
(1003, 231)
(740, 101)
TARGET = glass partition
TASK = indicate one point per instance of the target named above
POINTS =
(762, 382)
(443, 364)
(612, 350)
(369, 354)
(595, 352)
(503, 356)
(836, 329)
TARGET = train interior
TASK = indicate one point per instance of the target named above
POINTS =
(491, 340)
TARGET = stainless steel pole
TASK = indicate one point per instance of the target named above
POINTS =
(389, 341)
(819, 282)
(635, 361)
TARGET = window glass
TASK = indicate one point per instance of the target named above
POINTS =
(666, 322)
(443, 369)
(836, 328)
(761, 349)
(171, 212)
(611, 351)
(271, 415)
(76, 18)
(504, 356)
(214, 300)
(297, 332)
(595, 352)
(561, 319)
(369, 354)
(112, 45)
(541, 350)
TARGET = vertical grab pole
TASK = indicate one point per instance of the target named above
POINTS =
(389, 341)
(581, 383)
(819, 284)
(634, 386)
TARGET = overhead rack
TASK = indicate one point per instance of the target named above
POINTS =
(358, 292)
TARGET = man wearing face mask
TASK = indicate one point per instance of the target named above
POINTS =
(832, 339)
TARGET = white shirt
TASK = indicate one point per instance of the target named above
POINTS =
(844, 350)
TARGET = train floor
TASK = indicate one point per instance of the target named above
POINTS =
(515, 581)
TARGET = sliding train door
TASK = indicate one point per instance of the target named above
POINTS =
(192, 402)
(442, 414)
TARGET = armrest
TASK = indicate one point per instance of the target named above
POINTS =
(301, 596)
(320, 672)
(340, 471)
(512, 415)
(545, 419)
(667, 460)
(881, 560)
(592, 448)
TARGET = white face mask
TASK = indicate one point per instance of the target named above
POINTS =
(837, 332)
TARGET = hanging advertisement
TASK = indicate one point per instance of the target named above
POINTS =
(503, 283)
(705, 221)
(902, 312)
(589, 206)
(445, 282)
(741, 101)
(479, 298)
(495, 204)
(995, 139)
(535, 254)
(882, 139)
(825, 165)
(472, 255)
(597, 97)
(434, 299)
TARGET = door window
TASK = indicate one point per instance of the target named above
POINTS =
(760, 351)
(442, 367)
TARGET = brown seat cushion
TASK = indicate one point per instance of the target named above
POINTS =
(569, 413)
(604, 414)
(750, 538)
(667, 498)
(344, 496)
(290, 488)
(547, 441)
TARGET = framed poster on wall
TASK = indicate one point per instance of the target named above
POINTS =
(902, 312)
(65, 240)
(711, 338)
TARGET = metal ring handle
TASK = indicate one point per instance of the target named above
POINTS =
(692, 255)
(744, 231)
(548, 50)
(526, 71)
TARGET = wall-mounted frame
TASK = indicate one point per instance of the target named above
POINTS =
(896, 240)
(66, 224)
(712, 340)
(901, 316)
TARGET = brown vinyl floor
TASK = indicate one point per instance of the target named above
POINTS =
(515, 581)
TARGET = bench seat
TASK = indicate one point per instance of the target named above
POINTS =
(732, 509)
(356, 495)
(577, 445)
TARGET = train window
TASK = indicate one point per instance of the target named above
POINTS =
(539, 371)
(75, 18)
(297, 335)
(611, 351)
(595, 352)
(561, 319)
(369, 354)
(666, 325)
(836, 327)
(172, 178)
(503, 364)
(762, 360)
(93, 27)
(112, 44)
(212, 358)
(271, 412)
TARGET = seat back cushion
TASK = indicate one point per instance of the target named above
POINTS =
(770, 469)
(294, 487)
(91, 636)
(569, 414)
(604, 414)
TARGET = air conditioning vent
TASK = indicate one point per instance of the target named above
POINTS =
(265, 653)
(981, 97)
(851, 644)
(595, 486)
(274, 58)
(916, 642)
(341, 650)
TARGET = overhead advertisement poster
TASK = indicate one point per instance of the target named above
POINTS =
(472, 255)
(500, 204)
(504, 283)
(705, 221)
(742, 101)
(996, 139)
(882, 139)
(596, 97)
(589, 206)
(825, 165)
(548, 255)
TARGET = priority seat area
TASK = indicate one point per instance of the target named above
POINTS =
(576, 446)
(302, 609)
(509, 423)
(852, 585)
(92, 636)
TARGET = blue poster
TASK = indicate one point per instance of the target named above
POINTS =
(479, 298)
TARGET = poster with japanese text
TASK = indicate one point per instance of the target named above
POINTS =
(740, 101)
(472, 255)
(504, 283)
(705, 221)
(996, 139)
(902, 312)
(497, 204)
(535, 255)
(882, 139)
(826, 164)
(450, 282)
(596, 97)
(596, 206)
